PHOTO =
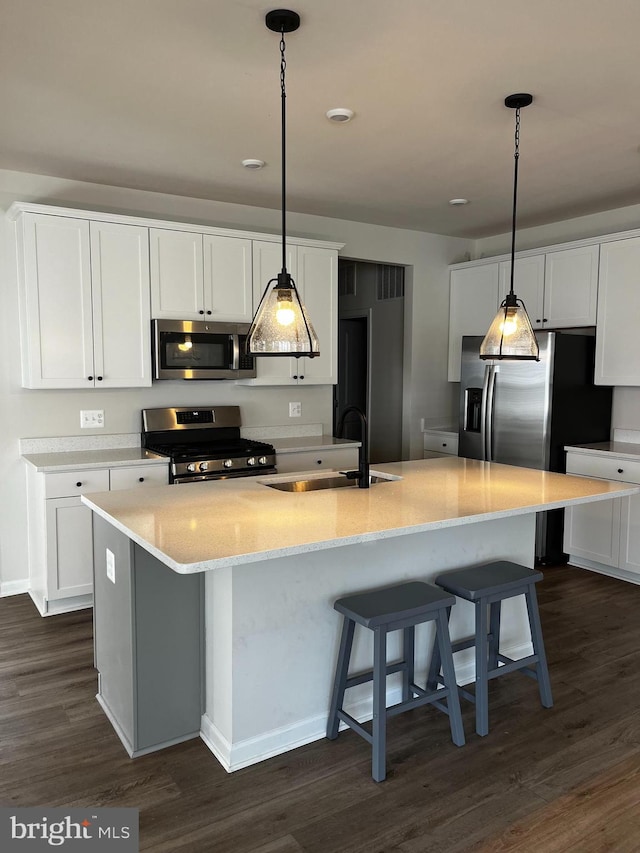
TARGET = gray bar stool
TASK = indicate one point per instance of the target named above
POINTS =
(487, 586)
(394, 608)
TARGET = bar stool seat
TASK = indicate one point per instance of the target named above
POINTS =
(487, 586)
(399, 607)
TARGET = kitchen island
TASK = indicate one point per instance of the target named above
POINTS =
(213, 602)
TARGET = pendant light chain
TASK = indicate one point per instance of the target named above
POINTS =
(516, 158)
(283, 68)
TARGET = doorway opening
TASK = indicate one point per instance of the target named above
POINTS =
(370, 353)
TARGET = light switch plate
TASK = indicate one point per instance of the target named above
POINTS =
(91, 418)
(111, 566)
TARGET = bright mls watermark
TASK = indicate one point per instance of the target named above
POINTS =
(80, 830)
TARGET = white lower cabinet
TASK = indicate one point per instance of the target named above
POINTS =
(337, 458)
(438, 442)
(60, 530)
(605, 535)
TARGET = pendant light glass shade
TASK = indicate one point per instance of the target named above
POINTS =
(510, 335)
(280, 326)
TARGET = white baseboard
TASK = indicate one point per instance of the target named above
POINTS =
(601, 569)
(14, 587)
(253, 750)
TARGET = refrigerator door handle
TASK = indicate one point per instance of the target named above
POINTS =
(483, 410)
(491, 392)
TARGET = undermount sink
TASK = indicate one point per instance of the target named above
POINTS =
(315, 483)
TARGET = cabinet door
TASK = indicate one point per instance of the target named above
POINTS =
(318, 285)
(630, 534)
(55, 302)
(228, 286)
(121, 314)
(592, 531)
(571, 287)
(69, 548)
(267, 263)
(528, 285)
(617, 339)
(177, 275)
(473, 303)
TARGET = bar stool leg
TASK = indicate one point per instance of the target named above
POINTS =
(379, 744)
(494, 630)
(340, 681)
(436, 660)
(482, 660)
(544, 682)
(443, 643)
(408, 655)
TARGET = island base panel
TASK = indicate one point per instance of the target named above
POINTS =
(147, 644)
(272, 634)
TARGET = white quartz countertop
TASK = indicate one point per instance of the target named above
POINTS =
(77, 460)
(311, 442)
(209, 525)
(617, 448)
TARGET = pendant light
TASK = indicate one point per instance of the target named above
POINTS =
(280, 326)
(510, 336)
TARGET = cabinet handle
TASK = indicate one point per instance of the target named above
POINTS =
(209, 312)
(319, 461)
(444, 443)
(200, 312)
(545, 320)
(620, 470)
(538, 320)
(78, 484)
(99, 378)
(295, 376)
(141, 479)
(301, 376)
(90, 378)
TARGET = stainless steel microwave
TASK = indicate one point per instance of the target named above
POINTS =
(185, 349)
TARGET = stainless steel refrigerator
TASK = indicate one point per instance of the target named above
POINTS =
(524, 413)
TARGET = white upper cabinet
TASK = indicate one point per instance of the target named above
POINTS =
(571, 287)
(473, 303)
(84, 303)
(120, 302)
(617, 339)
(528, 285)
(315, 272)
(200, 277)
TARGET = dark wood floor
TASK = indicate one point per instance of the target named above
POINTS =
(564, 779)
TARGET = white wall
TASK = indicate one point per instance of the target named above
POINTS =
(626, 401)
(33, 413)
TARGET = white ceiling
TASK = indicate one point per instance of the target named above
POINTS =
(171, 95)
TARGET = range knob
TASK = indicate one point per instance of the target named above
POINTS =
(191, 467)
(262, 460)
(203, 466)
(228, 463)
(251, 460)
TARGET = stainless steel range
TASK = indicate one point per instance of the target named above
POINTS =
(204, 444)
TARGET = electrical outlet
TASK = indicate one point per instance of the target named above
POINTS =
(295, 410)
(111, 566)
(91, 418)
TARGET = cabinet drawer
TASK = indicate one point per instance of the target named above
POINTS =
(139, 477)
(309, 460)
(442, 442)
(603, 467)
(71, 483)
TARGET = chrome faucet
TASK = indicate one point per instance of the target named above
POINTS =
(362, 474)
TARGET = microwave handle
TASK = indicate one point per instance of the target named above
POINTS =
(235, 349)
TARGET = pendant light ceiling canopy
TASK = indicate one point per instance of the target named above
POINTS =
(281, 326)
(510, 335)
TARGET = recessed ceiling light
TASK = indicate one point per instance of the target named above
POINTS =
(458, 201)
(340, 114)
(253, 164)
